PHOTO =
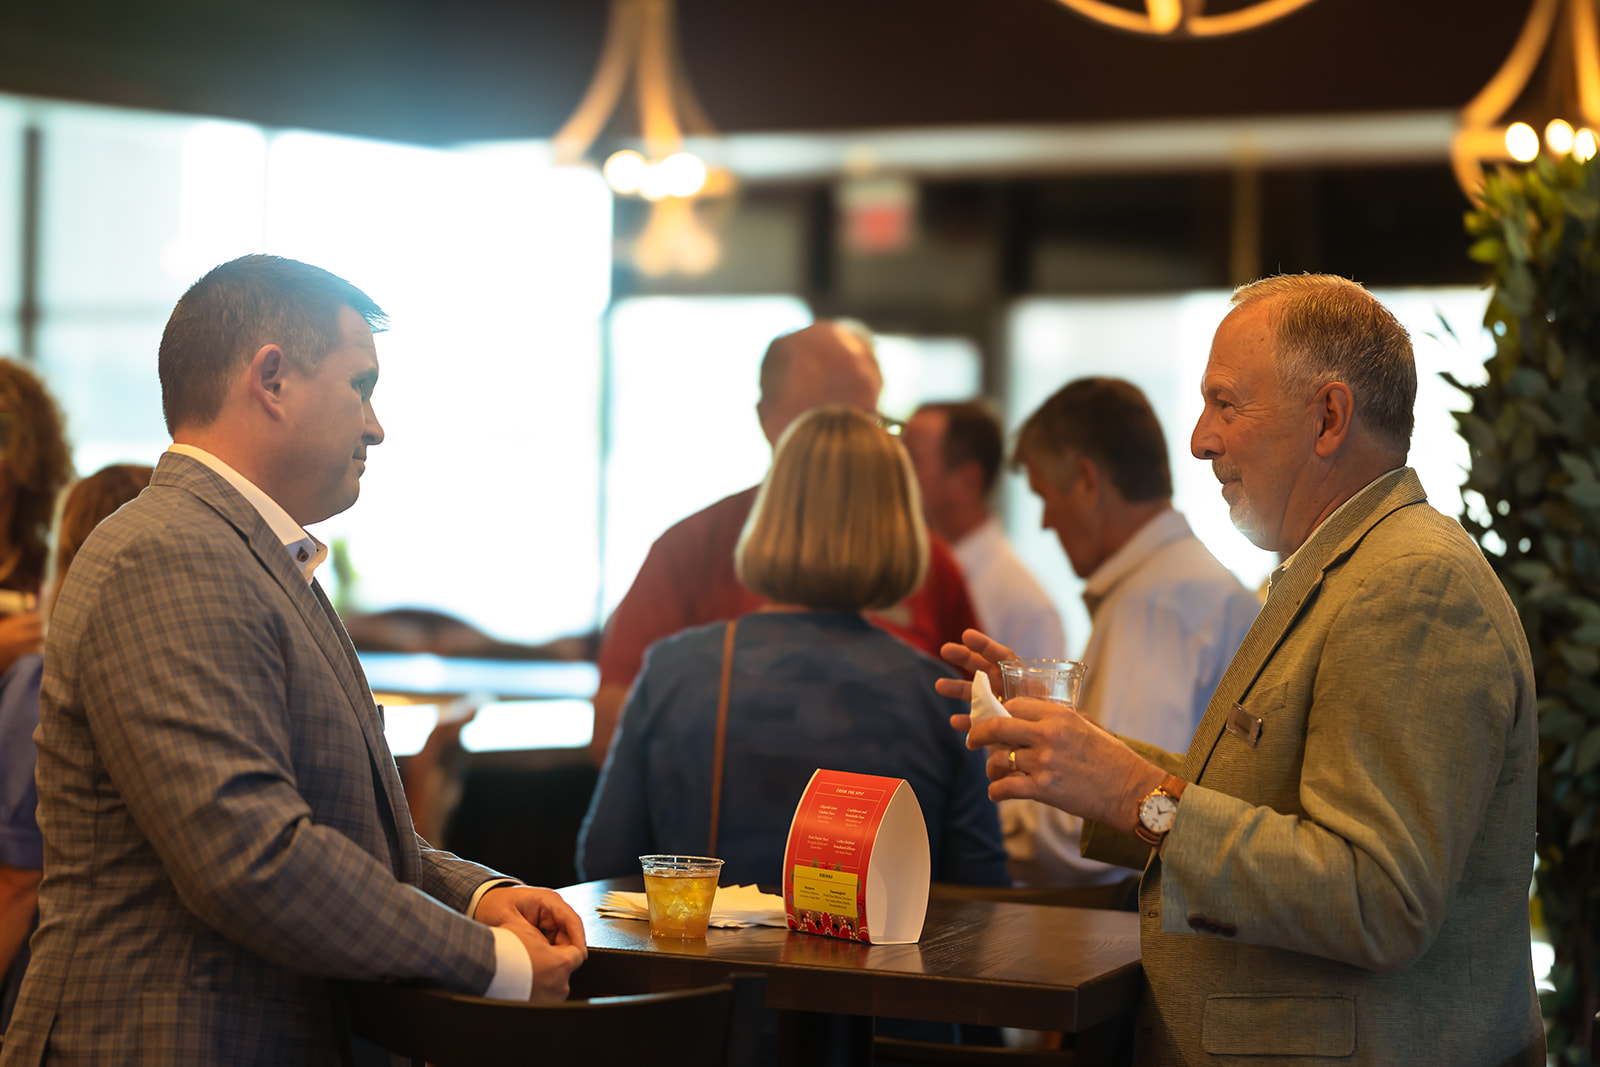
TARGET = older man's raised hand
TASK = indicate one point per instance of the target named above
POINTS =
(977, 652)
(1048, 751)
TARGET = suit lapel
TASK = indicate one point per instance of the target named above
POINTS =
(1294, 592)
(385, 775)
(323, 623)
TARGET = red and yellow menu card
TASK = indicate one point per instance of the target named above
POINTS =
(857, 864)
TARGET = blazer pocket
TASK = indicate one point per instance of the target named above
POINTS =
(1249, 718)
(1250, 1024)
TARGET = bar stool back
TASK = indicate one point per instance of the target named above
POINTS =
(716, 1026)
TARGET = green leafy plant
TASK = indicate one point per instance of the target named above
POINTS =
(1534, 434)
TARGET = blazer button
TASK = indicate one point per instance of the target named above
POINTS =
(1198, 922)
(1228, 930)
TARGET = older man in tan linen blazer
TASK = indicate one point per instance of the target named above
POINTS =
(1338, 868)
(223, 825)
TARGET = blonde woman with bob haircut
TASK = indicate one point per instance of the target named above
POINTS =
(837, 525)
(836, 531)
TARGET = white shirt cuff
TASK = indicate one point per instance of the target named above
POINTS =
(477, 894)
(513, 968)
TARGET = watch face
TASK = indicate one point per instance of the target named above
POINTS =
(1157, 811)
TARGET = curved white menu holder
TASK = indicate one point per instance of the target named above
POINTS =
(857, 865)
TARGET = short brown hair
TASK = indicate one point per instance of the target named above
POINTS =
(837, 524)
(1330, 329)
(89, 502)
(38, 463)
(226, 316)
(1106, 420)
(972, 434)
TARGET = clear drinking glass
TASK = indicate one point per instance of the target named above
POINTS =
(679, 891)
(1048, 679)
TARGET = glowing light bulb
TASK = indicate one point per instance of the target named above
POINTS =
(654, 185)
(1583, 145)
(1522, 142)
(1165, 15)
(1558, 136)
(625, 171)
(682, 174)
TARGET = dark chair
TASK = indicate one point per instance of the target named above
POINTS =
(717, 1026)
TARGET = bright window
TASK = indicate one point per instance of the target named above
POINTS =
(494, 267)
(684, 380)
(483, 501)
(111, 189)
(922, 370)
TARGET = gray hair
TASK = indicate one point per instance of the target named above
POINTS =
(1329, 329)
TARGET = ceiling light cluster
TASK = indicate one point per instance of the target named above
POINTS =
(1550, 82)
(641, 47)
(1183, 18)
(629, 173)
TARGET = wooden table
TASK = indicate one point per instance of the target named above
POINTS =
(979, 962)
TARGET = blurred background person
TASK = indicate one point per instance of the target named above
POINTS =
(1166, 616)
(21, 846)
(35, 463)
(957, 449)
(836, 532)
(688, 578)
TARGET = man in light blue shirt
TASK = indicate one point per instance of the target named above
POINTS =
(1166, 616)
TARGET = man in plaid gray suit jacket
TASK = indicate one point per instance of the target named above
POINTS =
(224, 826)
(1339, 866)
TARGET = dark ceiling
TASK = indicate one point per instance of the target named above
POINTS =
(449, 70)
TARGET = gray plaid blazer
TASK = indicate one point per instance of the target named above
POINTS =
(1351, 881)
(223, 823)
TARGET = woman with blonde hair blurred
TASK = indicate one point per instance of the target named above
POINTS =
(836, 531)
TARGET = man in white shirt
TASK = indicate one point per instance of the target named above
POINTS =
(957, 449)
(1166, 616)
(224, 828)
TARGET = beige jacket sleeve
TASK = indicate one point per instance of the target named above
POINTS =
(1403, 742)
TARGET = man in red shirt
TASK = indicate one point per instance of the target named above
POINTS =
(688, 580)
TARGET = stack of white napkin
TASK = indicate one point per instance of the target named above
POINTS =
(735, 905)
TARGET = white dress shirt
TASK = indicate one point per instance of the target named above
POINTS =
(513, 967)
(1012, 606)
(1167, 618)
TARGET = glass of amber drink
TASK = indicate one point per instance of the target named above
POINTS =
(679, 890)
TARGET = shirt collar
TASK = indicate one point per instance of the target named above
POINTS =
(1166, 527)
(306, 551)
(1281, 569)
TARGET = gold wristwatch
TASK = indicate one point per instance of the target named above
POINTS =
(1158, 810)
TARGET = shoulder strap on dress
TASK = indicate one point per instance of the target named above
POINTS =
(722, 733)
